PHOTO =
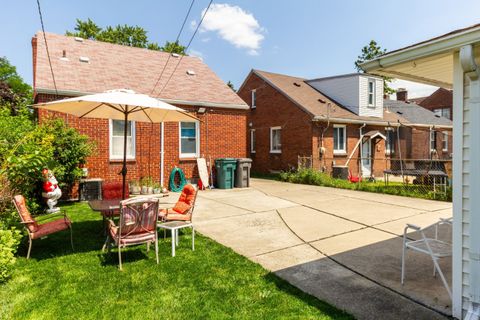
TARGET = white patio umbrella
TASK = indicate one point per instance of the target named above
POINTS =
(121, 104)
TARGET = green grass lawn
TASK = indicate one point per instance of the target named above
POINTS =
(212, 282)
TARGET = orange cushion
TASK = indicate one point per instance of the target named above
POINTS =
(181, 207)
(186, 199)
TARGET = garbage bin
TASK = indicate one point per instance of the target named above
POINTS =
(242, 174)
(225, 172)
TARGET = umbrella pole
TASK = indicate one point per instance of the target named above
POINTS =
(124, 168)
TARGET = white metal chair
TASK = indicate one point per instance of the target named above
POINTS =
(433, 247)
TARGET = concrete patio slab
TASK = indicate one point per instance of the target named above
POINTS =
(250, 234)
(364, 211)
(310, 224)
(356, 264)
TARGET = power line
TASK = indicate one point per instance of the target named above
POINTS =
(188, 45)
(176, 42)
(46, 47)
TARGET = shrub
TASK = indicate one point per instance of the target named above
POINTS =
(313, 177)
(9, 240)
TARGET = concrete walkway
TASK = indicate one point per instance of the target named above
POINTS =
(342, 246)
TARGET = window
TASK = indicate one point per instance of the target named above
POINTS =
(445, 142)
(252, 141)
(339, 139)
(371, 92)
(116, 128)
(433, 140)
(189, 139)
(442, 112)
(390, 142)
(254, 99)
(276, 140)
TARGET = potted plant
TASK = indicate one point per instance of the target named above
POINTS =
(157, 188)
(134, 187)
(144, 185)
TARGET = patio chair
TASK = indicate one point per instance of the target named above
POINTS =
(39, 231)
(180, 216)
(137, 225)
(433, 247)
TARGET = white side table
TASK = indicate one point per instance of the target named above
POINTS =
(174, 226)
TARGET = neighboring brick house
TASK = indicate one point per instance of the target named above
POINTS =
(85, 66)
(440, 102)
(324, 118)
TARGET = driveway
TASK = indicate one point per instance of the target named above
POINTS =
(342, 246)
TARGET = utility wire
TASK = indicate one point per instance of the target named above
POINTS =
(188, 45)
(46, 47)
(171, 50)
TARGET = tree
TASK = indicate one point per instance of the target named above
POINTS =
(14, 92)
(126, 35)
(369, 52)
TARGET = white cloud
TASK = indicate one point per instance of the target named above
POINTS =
(234, 25)
(195, 53)
(415, 89)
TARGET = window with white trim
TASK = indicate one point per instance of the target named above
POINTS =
(390, 141)
(275, 139)
(445, 141)
(371, 93)
(433, 140)
(254, 99)
(116, 134)
(339, 139)
(189, 139)
(442, 112)
(253, 141)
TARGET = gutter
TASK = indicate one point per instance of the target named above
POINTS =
(377, 123)
(443, 45)
(75, 93)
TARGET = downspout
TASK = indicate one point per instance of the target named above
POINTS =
(322, 148)
(162, 145)
(467, 60)
(360, 171)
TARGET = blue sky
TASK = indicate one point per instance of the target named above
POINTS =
(307, 38)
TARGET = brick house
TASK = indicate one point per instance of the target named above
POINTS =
(324, 118)
(439, 102)
(85, 66)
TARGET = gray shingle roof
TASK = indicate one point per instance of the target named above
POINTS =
(415, 114)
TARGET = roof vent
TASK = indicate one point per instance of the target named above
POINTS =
(399, 112)
(175, 55)
(78, 39)
(296, 84)
(64, 56)
(437, 116)
(191, 72)
(321, 101)
(84, 59)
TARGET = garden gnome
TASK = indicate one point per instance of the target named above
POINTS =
(51, 192)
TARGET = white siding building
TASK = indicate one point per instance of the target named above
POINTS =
(360, 93)
(453, 61)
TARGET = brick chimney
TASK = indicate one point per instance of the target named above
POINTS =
(402, 94)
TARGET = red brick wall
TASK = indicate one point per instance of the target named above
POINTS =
(222, 134)
(274, 109)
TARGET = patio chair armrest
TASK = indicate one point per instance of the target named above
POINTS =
(48, 216)
(27, 222)
(412, 226)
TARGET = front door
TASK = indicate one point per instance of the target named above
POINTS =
(367, 158)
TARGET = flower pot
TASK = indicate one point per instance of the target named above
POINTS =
(144, 190)
(149, 190)
(135, 189)
(157, 190)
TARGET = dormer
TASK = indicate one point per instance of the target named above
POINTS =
(360, 93)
